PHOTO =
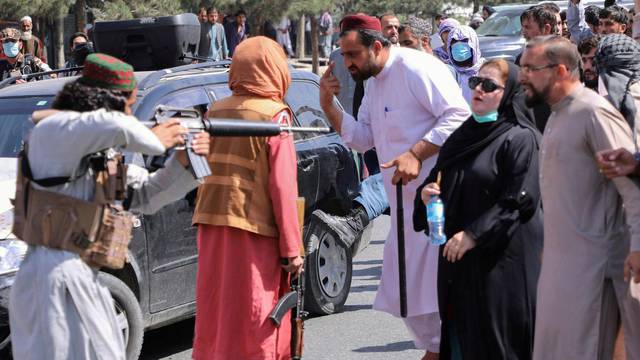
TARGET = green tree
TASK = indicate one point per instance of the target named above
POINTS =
(49, 9)
(129, 9)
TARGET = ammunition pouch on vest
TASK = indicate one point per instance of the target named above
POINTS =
(99, 230)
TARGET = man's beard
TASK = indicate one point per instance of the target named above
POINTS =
(26, 35)
(361, 74)
(591, 83)
(393, 40)
(538, 97)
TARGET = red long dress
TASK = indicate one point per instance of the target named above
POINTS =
(240, 278)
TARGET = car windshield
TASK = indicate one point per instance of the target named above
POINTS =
(503, 23)
(15, 124)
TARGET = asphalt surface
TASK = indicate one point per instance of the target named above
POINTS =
(358, 333)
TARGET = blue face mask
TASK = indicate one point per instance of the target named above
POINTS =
(488, 117)
(461, 51)
(11, 49)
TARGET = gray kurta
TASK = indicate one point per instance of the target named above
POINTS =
(586, 237)
(58, 308)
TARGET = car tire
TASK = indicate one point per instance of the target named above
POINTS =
(128, 314)
(328, 272)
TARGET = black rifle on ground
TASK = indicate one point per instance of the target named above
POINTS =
(196, 123)
(291, 300)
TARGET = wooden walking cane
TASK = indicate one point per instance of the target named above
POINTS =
(402, 269)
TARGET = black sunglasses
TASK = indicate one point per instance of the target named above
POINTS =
(488, 85)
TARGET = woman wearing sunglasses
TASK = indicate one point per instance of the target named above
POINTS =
(489, 267)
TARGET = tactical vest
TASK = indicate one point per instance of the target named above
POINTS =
(99, 231)
(25, 64)
(237, 192)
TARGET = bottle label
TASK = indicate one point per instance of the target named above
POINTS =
(435, 211)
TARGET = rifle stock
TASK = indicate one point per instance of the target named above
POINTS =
(297, 340)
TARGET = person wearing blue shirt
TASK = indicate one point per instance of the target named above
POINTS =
(218, 49)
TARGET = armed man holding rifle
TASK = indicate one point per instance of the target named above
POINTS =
(247, 217)
(72, 200)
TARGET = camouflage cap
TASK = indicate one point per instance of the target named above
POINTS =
(10, 33)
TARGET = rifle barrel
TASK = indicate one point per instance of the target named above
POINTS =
(232, 127)
(306, 129)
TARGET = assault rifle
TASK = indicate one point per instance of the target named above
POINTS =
(294, 298)
(196, 123)
(291, 300)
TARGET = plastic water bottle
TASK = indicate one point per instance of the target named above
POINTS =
(435, 217)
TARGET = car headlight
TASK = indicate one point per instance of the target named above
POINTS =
(12, 250)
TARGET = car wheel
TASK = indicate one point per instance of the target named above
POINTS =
(128, 314)
(328, 269)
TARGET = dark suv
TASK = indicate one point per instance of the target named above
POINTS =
(157, 285)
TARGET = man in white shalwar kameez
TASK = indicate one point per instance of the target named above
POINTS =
(58, 308)
(283, 36)
(411, 105)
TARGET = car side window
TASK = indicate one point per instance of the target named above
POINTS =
(303, 99)
(189, 98)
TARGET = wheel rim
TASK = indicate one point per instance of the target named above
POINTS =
(122, 321)
(331, 266)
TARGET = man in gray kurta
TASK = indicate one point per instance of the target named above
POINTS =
(588, 233)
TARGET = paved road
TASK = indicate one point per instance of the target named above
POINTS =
(358, 333)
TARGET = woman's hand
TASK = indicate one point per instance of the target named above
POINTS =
(200, 144)
(457, 246)
(170, 133)
(429, 190)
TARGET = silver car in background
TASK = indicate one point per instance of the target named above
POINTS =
(500, 35)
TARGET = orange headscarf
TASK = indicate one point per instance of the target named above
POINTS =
(259, 67)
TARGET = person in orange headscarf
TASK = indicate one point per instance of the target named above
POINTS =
(247, 217)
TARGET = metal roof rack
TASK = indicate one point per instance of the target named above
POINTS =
(11, 80)
(155, 77)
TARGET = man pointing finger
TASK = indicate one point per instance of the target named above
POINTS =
(411, 105)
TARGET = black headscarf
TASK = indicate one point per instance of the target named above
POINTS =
(618, 62)
(472, 137)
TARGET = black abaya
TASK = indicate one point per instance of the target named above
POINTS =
(492, 193)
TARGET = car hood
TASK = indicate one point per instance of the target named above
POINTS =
(7, 191)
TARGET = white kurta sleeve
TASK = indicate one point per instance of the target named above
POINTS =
(106, 129)
(437, 91)
(153, 191)
(358, 134)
